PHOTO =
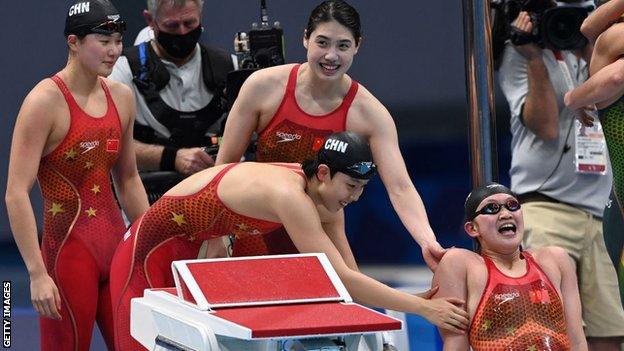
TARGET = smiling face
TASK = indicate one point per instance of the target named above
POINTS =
(339, 190)
(331, 47)
(500, 232)
(97, 52)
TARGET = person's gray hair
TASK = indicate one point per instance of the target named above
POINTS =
(154, 5)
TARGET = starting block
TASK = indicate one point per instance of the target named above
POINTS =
(263, 303)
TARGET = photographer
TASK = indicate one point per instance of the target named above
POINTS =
(178, 85)
(562, 202)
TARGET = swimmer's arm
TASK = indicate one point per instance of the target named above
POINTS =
(33, 126)
(405, 199)
(603, 86)
(300, 218)
(601, 19)
(242, 120)
(335, 229)
(130, 190)
(570, 298)
(450, 278)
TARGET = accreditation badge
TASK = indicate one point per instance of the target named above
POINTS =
(591, 147)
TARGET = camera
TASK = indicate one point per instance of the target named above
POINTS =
(556, 25)
(262, 46)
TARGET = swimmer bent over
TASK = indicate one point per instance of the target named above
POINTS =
(253, 199)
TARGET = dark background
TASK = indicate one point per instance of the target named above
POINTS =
(412, 59)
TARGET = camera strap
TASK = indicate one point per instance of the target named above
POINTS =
(590, 145)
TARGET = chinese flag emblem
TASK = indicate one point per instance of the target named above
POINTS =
(317, 143)
(539, 296)
(112, 145)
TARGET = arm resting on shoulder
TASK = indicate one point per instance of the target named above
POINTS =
(407, 203)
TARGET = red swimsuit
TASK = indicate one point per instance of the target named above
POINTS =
(523, 313)
(172, 229)
(292, 136)
(82, 224)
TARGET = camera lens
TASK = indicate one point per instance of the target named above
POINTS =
(561, 28)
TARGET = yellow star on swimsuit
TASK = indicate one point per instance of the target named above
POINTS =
(56, 208)
(511, 330)
(96, 189)
(178, 218)
(242, 227)
(487, 324)
(88, 165)
(532, 348)
(91, 212)
(71, 154)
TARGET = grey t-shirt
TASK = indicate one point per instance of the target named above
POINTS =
(549, 166)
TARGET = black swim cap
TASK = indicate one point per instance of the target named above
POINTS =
(479, 193)
(348, 153)
(93, 16)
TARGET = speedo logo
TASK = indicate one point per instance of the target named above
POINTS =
(81, 7)
(507, 296)
(286, 137)
(89, 145)
(336, 145)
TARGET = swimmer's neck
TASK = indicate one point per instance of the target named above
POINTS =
(506, 261)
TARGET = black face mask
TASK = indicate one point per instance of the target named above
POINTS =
(179, 46)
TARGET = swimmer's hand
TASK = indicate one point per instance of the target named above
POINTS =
(45, 296)
(432, 253)
(447, 313)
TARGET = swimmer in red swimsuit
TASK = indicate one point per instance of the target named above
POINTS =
(517, 300)
(251, 199)
(292, 108)
(72, 133)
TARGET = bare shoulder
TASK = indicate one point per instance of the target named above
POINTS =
(118, 90)
(368, 112)
(44, 100)
(458, 259)
(270, 77)
(548, 255)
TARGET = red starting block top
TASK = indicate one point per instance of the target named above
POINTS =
(308, 319)
(262, 280)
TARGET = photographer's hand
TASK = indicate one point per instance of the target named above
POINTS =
(193, 160)
(523, 23)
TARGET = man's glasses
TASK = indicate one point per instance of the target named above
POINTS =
(494, 207)
(363, 168)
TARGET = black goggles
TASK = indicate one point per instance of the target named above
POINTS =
(494, 207)
(363, 168)
(108, 27)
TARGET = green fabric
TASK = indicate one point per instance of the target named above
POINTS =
(612, 119)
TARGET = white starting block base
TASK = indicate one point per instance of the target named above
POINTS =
(162, 320)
